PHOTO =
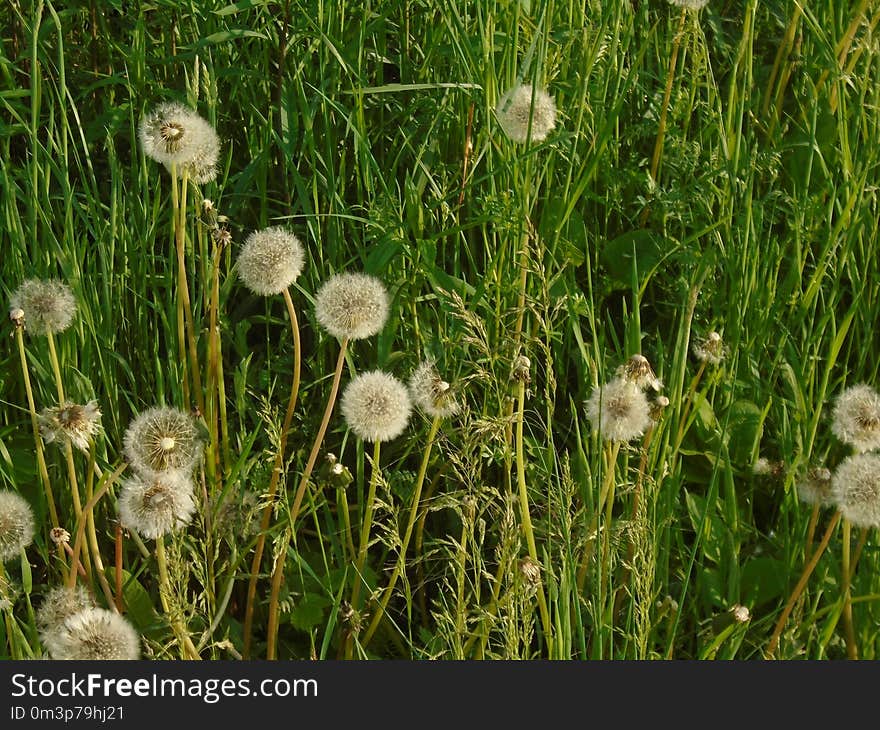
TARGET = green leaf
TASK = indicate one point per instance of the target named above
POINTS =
(746, 427)
(309, 611)
(762, 579)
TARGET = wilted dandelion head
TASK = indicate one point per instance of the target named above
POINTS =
(162, 438)
(376, 406)
(173, 134)
(710, 349)
(690, 4)
(431, 393)
(270, 261)
(619, 410)
(855, 489)
(59, 604)
(71, 423)
(740, 613)
(155, 504)
(658, 406)
(815, 487)
(515, 109)
(352, 305)
(95, 634)
(638, 370)
(856, 417)
(48, 305)
(16, 525)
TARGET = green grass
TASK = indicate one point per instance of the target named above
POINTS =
(350, 125)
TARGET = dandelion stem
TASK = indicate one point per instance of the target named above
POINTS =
(273, 482)
(848, 627)
(799, 588)
(178, 245)
(184, 298)
(414, 511)
(526, 517)
(187, 648)
(278, 573)
(92, 535)
(811, 531)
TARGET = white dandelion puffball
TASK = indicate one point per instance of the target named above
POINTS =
(689, 4)
(95, 634)
(16, 525)
(855, 489)
(352, 305)
(48, 305)
(515, 109)
(59, 604)
(156, 504)
(856, 417)
(174, 134)
(711, 349)
(71, 423)
(619, 410)
(815, 487)
(270, 261)
(162, 438)
(431, 393)
(376, 406)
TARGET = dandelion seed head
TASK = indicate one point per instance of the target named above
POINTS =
(59, 604)
(376, 406)
(689, 4)
(270, 261)
(514, 110)
(855, 489)
(16, 525)
(710, 349)
(815, 487)
(638, 370)
(431, 393)
(174, 134)
(203, 151)
(48, 305)
(95, 634)
(156, 504)
(162, 438)
(71, 423)
(855, 419)
(619, 410)
(352, 305)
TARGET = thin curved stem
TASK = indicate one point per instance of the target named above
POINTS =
(849, 631)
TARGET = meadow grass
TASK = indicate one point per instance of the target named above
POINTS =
(370, 131)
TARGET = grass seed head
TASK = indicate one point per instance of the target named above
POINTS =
(514, 110)
(855, 489)
(619, 410)
(431, 393)
(16, 525)
(45, 305)
(162, 438)
(856, 417)
(270, 261)
(71, 423)
(95, 634)
(376, 406)
(352, 305)
(156, 504)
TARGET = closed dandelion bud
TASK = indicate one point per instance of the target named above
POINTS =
(740, 613)
(163, 438)
(658, 405)
(376, 406)
(815, 488)
(156, 504)
(59, 604)
(431, 393)
(71, 423)
(59, 536)
(173, 134)
(16, 525)
(352, 305)
(515, 112)
(270, 261)
(638, 370)
(856, 418)
(689, 4)
(530, 572)
(619, 410)
(48, 305)
(855, 489)
(522, 370)
(711, 349)
(95, 634)
(16, 316)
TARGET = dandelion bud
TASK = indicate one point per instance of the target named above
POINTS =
(816, 487)
(689, 4)
(48, 305)
(740, 614)
(515, 113)
(59, 604)
(522, 367)
(619, 410)
(855, 489)
(270, 261)
(71, 423)
(376, 406)
(16, 316)
(162, 438)
(353, 306)
(856, 418)
(638, 370)
(711, 349)
(59, 536)
(95, 634)
(173, 134)
(530, 572)
(156, 504)
(658, 405)
(431, 393)
(16, 525)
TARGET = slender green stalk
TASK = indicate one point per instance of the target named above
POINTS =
(664, 109)
(187, 648)
(852, 650)
(611, 450)
(184, 297)
(177, 235)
